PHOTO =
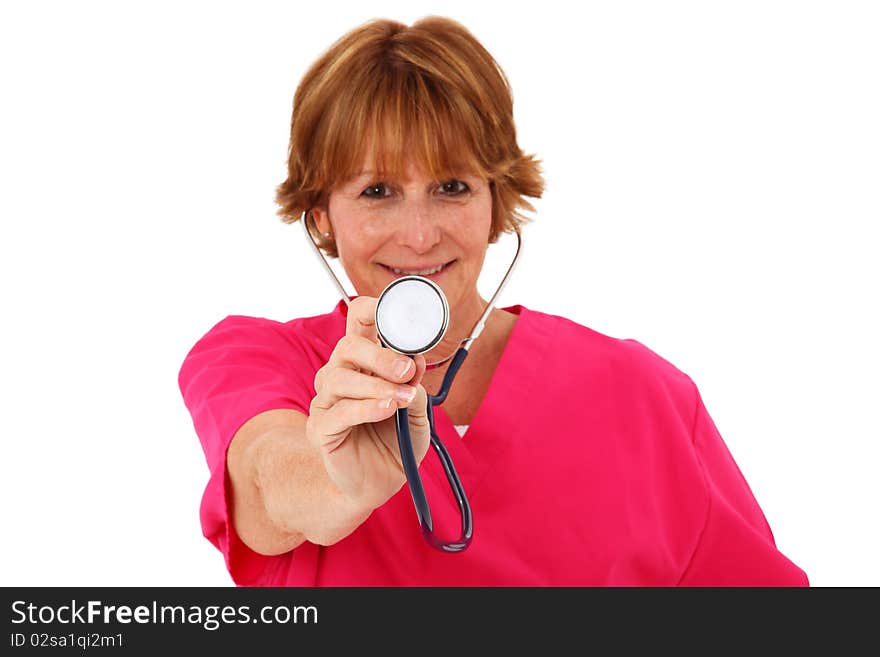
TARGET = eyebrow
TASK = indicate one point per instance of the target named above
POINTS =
(369, 174)
(372, 174)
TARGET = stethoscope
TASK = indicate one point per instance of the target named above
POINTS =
(412, 315)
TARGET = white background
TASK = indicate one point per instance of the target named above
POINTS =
(712, 191)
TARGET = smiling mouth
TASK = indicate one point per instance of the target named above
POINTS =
(419, 272)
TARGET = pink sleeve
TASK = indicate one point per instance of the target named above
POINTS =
(240, 368)
(736, 546)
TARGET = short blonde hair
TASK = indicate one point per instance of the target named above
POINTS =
(429, 93)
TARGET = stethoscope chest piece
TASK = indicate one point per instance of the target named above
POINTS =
(412, 315)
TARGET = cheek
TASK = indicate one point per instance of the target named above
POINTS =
(476, 223)
(357, 234)
(353, 219)
(358, 240)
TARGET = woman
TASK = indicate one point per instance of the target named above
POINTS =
(587, 460)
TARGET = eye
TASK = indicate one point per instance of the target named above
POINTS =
(453, 188)
(376, 191)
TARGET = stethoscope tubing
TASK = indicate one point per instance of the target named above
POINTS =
(411, 468)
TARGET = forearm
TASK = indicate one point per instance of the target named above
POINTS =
(283, 495)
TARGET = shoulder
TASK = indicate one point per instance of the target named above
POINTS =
(248, 341)
(590, 355)
(314, 333)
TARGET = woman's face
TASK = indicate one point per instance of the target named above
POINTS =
(386, 228)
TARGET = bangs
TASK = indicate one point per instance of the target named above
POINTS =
(392, 118)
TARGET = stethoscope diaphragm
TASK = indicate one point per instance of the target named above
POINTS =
(412, 315)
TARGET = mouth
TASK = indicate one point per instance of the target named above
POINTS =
(432, 273)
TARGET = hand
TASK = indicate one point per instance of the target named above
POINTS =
(351, 419)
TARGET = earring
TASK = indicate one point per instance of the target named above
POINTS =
(327, 235)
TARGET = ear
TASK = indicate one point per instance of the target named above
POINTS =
(322, 220)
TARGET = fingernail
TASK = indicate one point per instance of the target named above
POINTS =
(401, 367)
(385, 403)
(405, 393)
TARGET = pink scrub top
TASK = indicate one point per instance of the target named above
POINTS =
(591, 461)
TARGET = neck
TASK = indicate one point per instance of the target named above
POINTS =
(463, 317)
(483, 353)
(473, 379)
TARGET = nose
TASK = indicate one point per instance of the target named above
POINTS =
(418, 226)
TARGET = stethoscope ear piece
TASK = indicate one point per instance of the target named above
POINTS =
(412, 315)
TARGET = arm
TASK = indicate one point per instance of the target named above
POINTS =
(318, 477)
(270, 462)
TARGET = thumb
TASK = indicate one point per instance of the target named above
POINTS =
(418, 408)
(419, 426)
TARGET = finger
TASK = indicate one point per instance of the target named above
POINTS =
(417, 407)
(361, 319)
(338, 420)
(419, 425)
(339, 383)
(357, 352)
(421, 367)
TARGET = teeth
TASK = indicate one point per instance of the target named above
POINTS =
(423, 272)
